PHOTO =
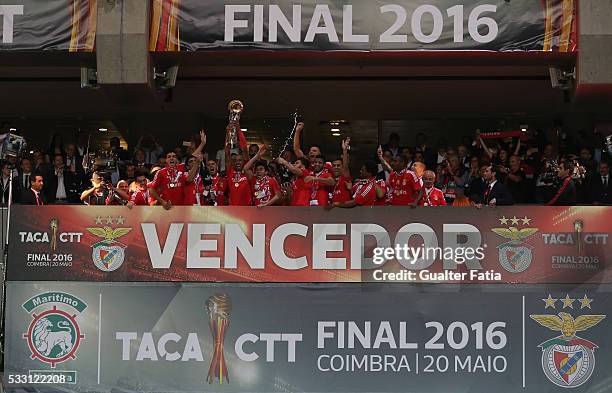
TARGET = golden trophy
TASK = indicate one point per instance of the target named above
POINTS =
(54, 224)
(218, 308)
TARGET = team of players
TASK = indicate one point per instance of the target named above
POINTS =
(314, 181)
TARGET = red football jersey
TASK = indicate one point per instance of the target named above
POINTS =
(169, 183)
(319, 193)
(301, 191)
(264, 189)
(239, 189)
(432, 197)
(193, 190)
(140, 198)
(404, 187)
(364, 192)
(381, 201)
(341, 193)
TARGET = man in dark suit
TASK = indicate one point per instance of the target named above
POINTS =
(60, 183)
(600, 190)
(21, 182)
(476, 187)
(5, 179)
(34, 196)
(495, 193)
(566, 193)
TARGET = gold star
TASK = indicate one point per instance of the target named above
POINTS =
(567, 302)
(526, 221)
(550, 302)
(515, 221)
(585, 302)
(120, 220)
(503, 220)
(98, 220)
(109, 220)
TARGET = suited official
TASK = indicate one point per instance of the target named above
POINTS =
(34, 196)
(495, 193)
(600, 189)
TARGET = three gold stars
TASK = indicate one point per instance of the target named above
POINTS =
(567, 302)
(514, 220)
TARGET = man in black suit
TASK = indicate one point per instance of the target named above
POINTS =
(60, 183)
(5, 179)
(566, 193)
(600, 191)
(34, 196)
(476, 187)
(21, 182)
(495, 193)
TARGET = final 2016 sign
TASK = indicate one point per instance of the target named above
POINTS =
(85, 337)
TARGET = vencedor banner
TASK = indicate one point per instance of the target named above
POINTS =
(110, 337)
(311, 244)
(35, 25)
(364, 25)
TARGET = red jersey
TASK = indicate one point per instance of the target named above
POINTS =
(364, 192)
(218, 190)
(432, 197)
(319, 193)
(264, 189)
(193, 190)
(169, 183)
(404, 186)
(239, 188)
(140, 198)
(301, 191)
(381, 201)
(341, 193)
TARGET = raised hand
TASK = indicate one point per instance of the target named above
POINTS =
(202, 137)
(299, 127)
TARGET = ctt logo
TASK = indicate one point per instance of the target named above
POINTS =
(54, 335)
(52, 236)
(568, 361)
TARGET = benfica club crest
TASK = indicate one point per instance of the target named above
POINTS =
(54, 335)
(108, 254)
(568, 361)
(514, 255)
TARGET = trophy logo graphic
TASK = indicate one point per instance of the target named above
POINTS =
(568, 361)
(54, 224)
(218, 308)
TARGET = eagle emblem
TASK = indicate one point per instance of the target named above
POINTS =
(568, 360)
(108, 254)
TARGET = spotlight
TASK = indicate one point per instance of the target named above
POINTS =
(335, 130)
(102, 129)
(336, 134)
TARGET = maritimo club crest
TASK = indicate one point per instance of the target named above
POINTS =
(568, 360)
(108, 254)
(54, 335)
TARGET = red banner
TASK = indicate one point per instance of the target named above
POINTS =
(287, 244)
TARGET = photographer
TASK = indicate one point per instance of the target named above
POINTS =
(100, 191)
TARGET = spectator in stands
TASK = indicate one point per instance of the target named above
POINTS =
(34, 195)
(253, 149)
(56, 145)
(21, 183)
(60, 183)
(5, 182)
(151, 149)
(495, 193)
(566, 192)
(393, 145)
(515, 179)
(74, 162)
(600, 190)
